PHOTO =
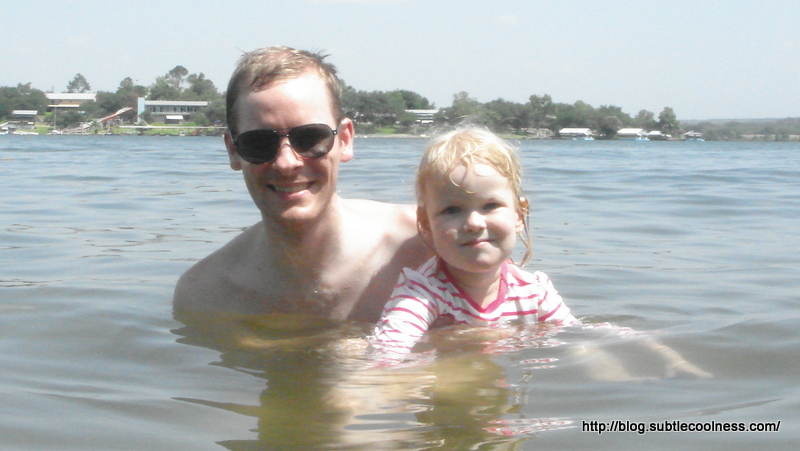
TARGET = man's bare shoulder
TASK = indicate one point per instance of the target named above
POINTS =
(391, 226)
(210, 281)
(376, 240)
(392, 218)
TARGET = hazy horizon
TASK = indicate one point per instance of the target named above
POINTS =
(737, 60)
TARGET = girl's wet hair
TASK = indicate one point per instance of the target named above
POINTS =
(469, 146)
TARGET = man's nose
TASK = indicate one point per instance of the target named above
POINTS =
(286, 157)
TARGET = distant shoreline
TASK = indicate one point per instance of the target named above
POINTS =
(750, 137)
(745, 138)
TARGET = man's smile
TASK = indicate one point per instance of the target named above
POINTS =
(289, 188)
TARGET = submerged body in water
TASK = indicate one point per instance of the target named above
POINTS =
(690, 243)
(453, 390)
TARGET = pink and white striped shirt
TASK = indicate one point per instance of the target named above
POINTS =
(430, 297)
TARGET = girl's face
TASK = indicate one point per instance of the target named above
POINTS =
(471, 220)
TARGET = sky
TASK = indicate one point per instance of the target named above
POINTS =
(733, 59)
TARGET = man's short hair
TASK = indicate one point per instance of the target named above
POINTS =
(261, 68)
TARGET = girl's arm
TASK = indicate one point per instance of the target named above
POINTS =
(406, 317)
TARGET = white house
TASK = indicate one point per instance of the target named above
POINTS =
(170, 111)
(423, 116)
(632, 133)
(23, 118)
(576, 133)
(693, 136)
(656, 135)
(68, 100)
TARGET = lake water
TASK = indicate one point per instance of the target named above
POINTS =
(694, 244)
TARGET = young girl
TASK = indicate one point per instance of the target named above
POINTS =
(470, 209)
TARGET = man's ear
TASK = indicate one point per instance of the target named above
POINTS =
(233, 157)
(346, 135)
(522, 214)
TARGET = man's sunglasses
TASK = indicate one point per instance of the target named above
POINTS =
(309, 141)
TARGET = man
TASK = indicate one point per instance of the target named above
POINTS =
(313, 252)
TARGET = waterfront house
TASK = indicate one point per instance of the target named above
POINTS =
(693, 136)
(576, 133)
(632, 134)
(538, 133)
(68, 100)
(169, 111)
(656, 135)
(423, 116)
(23, 118)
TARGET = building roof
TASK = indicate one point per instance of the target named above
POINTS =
(119, 113)
(630, 131)
(575, 130)
(24, 112)
(433, 111)
(86, 96)
(176, 102)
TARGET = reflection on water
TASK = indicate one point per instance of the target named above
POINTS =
(692, 244)
(325, 391)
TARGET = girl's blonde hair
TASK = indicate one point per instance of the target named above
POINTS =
(468, 146)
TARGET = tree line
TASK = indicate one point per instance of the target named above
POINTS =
(177, 84)
(787, 129)
(377, 110)
(386, 111)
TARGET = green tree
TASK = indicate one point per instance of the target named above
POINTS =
(162, 89)
(668, 121)
(106, 103)
(646, 120)
(609, 126)
(387, 107)
(147, 117)
(406, 121)
(130, 91)
(8, 101)
(414, 101)
(175, 77)
(170, 86)
(200, 88)
(376, 107)
(200, 119)
(23, 97)
(110, 102)
(464, 109)
(349, 100)
(610, 119)
(579, 114)
(507, 115)
(215, 111)
(541, 108)
(78, 84)
(70, 119)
